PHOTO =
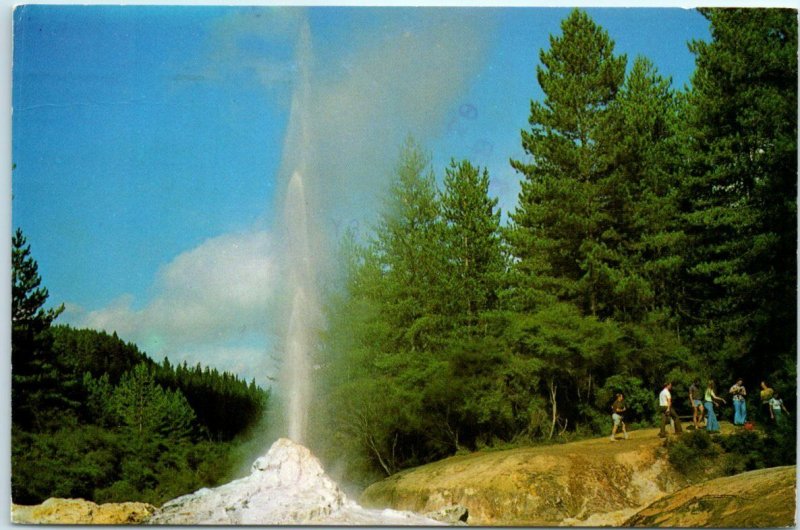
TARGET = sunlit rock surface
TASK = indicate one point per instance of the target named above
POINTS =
(762, 499)
(79, 511)
(286, 486)
(587, 483)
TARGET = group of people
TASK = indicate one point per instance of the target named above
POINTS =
(703, 407)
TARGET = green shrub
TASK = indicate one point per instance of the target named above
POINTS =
(700, 441)
(690, 450)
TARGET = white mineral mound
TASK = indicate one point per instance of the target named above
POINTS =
(285, 486)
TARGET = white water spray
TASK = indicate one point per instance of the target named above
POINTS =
(301, 244)
(304, 311)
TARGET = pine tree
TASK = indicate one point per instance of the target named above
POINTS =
(555, 232)
(148, 412)
(408, 241)
(36, 388)
(739, 200)
(385, 325)
(644, 237)
(472, 236)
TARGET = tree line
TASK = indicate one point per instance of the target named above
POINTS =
(654, 240)
(93, 417)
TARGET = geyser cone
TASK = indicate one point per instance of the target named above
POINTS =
(286, 486)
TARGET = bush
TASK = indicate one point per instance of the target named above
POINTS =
(691, 450)
(745, 452)
(69, 463)
(781, 444)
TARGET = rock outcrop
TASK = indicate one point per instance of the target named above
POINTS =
(286, 486)
(79, 511)
(592, 482)
(762, 499)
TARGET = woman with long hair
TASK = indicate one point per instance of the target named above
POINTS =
(712, 425)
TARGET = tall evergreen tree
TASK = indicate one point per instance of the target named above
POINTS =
(384, 327)
(409, 244)
(739, 200)
(147, 410)
(36, 388)
(474, 253)
(555, 232)
(644, 237)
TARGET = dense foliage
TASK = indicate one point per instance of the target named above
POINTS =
(698, 455)
(654, 240)
(94, 417)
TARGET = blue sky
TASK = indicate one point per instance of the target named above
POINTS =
(151, 144)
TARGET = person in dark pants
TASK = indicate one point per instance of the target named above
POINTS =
(667, 412)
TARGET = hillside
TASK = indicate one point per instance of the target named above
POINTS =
(588, 483)
(119, 426)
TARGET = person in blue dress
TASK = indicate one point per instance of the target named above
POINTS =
(711, 399)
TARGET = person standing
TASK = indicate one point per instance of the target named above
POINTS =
(617, 410)
(712, 425)
(777, 407)
(765, 395)
(696, 403)
(667, 412)
(739, 406)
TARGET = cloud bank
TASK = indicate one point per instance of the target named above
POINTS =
(209, 305)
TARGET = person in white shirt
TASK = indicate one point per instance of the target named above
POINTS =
(667, 412)
(777, 407)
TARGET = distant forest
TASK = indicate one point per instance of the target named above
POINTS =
(654, 240)
(95, 418)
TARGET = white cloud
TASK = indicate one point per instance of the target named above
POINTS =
(206, 302)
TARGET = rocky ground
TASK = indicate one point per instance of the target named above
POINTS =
(79, 511)
(589, 483)
(538, 486)
(757, 499)
(286, 486)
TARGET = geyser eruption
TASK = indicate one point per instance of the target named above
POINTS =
(327, 173)
(302, 285)
(300, 246)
